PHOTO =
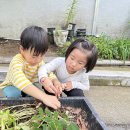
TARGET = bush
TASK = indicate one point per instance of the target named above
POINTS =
(108, 48)
(61, 50)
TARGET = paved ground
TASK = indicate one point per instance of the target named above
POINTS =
(110, 100)
(111, 103)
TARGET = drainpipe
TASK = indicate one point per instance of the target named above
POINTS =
(95, 17)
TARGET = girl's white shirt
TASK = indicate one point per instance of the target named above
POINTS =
(58, 66)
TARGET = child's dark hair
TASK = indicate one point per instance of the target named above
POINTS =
(34, 37)
(84, 45)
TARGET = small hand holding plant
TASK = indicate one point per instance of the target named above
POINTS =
(58, 86)
(48, 85)
(53, 86)
(68, 86)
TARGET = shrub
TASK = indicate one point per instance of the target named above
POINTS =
(109, 48)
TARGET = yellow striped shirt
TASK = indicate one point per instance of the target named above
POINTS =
(21, 74)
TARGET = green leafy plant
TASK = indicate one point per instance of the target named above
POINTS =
(29, 117)
(109, 48)
(58, 32)
(11, 117)
(6, 119)
(123, 49)
(71, 12)
(62, 50)
(47, 120)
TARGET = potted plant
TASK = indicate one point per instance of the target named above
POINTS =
(50, 35)
(71, 15)
(81, 32)
(60, 37)
(70, 19)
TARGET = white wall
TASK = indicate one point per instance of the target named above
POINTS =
(15, 15)
(113, 17)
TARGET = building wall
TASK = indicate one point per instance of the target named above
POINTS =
(112, 16)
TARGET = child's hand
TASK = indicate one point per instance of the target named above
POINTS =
(51, 101)
(58, 86)
(68, 86)
(63, 85)
(48, 85)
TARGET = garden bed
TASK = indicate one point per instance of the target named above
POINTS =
(92, 118)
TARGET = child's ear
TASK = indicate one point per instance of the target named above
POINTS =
(21, 49)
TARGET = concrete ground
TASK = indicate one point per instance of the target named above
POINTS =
(107, 95)
(112, 104)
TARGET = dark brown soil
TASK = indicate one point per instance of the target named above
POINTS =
(9, 48)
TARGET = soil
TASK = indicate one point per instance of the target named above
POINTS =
(9, 48)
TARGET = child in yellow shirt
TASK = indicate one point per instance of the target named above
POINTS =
(23, 69)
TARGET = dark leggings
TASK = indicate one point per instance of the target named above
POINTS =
(71, 93)
(74, 92)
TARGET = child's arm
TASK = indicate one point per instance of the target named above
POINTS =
(82, 84)
(49, 100)
(17, 77)
(33, 91)
(45, 69)
(52, 86)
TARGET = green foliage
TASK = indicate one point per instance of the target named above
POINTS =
(109, 48)
(47, 120)
(10, 119)
(61, 51)
(71, 12)
(104, 46)
(57, 32)
(6, 119)
(30, 118)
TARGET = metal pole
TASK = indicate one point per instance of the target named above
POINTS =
(95, 17)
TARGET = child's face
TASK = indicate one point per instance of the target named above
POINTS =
(76, 61)
(30, 57)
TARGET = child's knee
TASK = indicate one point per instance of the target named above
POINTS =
(11, 91)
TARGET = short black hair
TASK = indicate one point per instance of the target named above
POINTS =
(84, 45)
(34, 37)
